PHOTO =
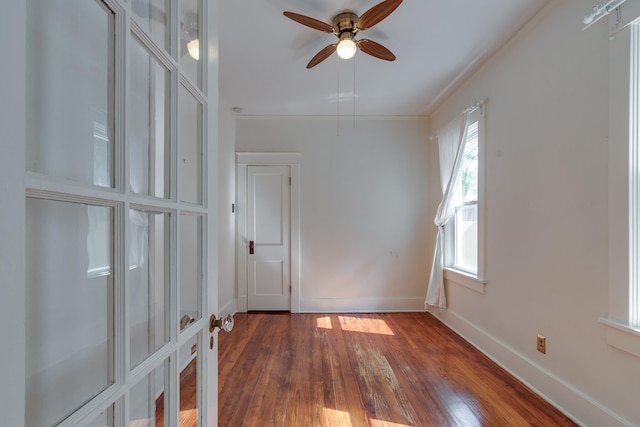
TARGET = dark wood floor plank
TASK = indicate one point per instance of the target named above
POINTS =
(353, 370)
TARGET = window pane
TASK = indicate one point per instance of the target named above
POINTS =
(149, 399)
(70, 90)
(189, 396)
(469, 170)
(148, 283)
(149, 137)
(154, 17)
(190, 268)
(466, 238)
(190, 143)
(191, 40)
(105, 419)
(69, 307)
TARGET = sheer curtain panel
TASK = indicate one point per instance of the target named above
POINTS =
(451, 142)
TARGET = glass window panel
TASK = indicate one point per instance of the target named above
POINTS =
(149, 133)
(189, 395)
(154, 17)
(70, 90)
(190, 142)
(149, 399)
(148, 283)
(69, 307)
(469, 167)
(190, 268)
(105, 419)
(191, 46)
(466, 235)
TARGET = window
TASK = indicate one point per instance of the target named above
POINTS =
(463, 257)
(465, 220)
(623, 317)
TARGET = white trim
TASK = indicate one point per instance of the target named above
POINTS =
(572, 402)
(230, 307)
(361, 305)
(622, 336)
(464, 279)
(243, 160)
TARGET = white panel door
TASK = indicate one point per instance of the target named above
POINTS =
(103, 252)
(269, 266)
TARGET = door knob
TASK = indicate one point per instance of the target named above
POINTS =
(251, 247)
(226, 323)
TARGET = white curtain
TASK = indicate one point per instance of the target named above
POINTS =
(451, 142)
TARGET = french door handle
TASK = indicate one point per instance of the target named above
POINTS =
(251, 247)
(226, 323)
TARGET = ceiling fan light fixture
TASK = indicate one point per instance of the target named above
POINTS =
(346, 47)
(194, 49)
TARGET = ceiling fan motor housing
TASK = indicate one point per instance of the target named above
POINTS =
(345, 22)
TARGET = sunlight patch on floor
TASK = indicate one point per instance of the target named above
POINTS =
(335, 417)
(381, 423)
(370, 326)
(324, 322)
(188, 417)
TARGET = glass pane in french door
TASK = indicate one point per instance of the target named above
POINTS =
(149, 276)
(190, 147)
(190, 40)
(189, 396)
(154, 17)
(70, 90)
(148, 400)
(149, 125)
(69, 307)
(190, 269)
(104, 419)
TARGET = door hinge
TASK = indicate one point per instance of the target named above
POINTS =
(289, 181)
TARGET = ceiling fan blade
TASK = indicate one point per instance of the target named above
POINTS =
(309, 22)
(322, 55)
(376, 49)
(377, 13)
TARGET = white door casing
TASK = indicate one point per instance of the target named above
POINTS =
(290, 162)
(44, 188)
(268, 200)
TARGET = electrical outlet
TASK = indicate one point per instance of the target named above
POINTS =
(542, 344)
(193, 348)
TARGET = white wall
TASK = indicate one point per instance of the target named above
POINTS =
(364, 226)
(546, 218)
(227, 295)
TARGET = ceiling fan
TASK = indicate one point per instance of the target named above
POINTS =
(345, 26)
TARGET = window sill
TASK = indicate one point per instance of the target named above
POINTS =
(465, 279)
(622, 336)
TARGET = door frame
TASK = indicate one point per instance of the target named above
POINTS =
(243, 161)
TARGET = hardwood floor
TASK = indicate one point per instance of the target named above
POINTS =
(400, 369)
(188, 399)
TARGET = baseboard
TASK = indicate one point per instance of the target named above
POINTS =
(571, 401)
(231, 307)
(360, 305)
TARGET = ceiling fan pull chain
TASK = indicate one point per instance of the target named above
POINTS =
(354, 93)
(338, 99)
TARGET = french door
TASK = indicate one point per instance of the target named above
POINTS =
(110, 119)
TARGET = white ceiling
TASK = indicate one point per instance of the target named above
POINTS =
(263, 54)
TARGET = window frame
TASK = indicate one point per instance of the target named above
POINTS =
(452, 274)
(622, 323)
